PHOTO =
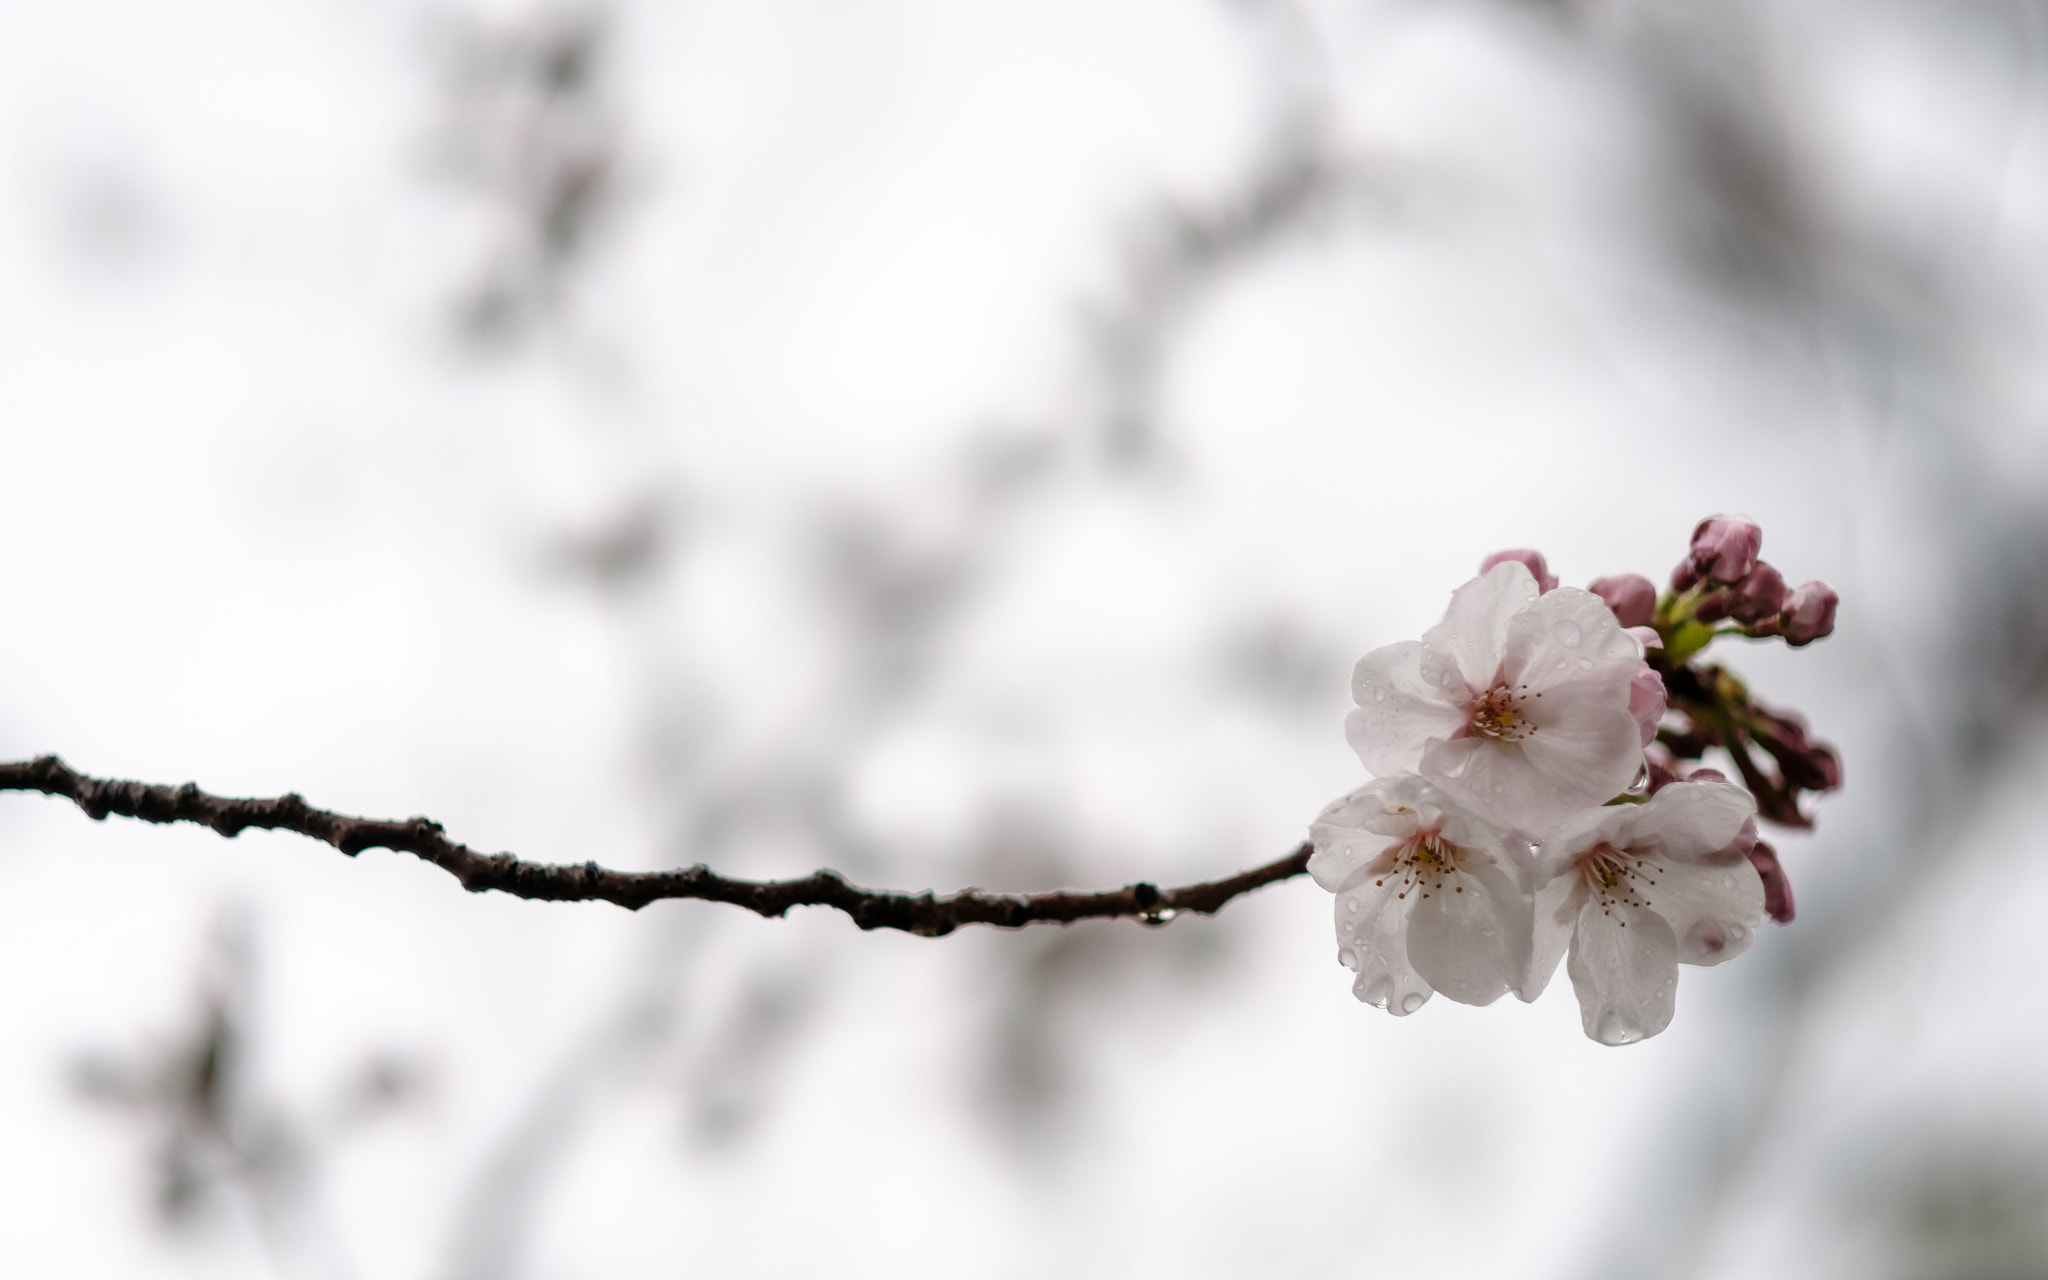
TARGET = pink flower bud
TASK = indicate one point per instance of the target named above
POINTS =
(1759, 596)
(1646, 700)
(1777, 886)
(1531, 559)
(1809, 614)
(1715, 605)
(1724, 548)
(1632, 597)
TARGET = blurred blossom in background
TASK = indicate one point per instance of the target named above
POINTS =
(968, 444)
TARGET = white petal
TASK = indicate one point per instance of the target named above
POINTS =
(1694, 821)
(1624, 967)
(1568, 637)
(1399, 712)
(1468, 935)
(1475, 627)
(1571, 667)
(1553, 913)
(1345, 847)
(1502, 781)
(1579, 832)
(1372, 941)
(1713, 911)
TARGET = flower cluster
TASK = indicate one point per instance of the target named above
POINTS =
(1536, 796)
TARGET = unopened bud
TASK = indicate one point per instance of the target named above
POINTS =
(1530, 558)
(1759, 596)
(1809, 614)
(1632, 597)
(1715, 605)
(1724, 548)
(1777, 886)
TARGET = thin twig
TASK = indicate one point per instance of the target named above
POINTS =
(925, 914)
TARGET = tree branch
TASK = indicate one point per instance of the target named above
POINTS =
(925, 914)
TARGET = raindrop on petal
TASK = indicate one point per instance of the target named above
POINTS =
(1615, 1027)
(1411, 1002)
(1568, 634)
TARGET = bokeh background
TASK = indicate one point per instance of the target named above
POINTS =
(968, 444)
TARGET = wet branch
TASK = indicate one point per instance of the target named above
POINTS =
(921, 913)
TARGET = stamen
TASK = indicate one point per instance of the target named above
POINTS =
(1498, 714)
(1616, 877)
(1425, 863)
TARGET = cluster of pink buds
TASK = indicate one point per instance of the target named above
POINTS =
(1724, 577)
(1541, 795)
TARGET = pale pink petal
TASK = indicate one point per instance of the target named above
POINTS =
(1399, 713)
(1571, 667)
(1499, 780)
(1475, 627)
(1624, 967)
(1464, 826)
(1357, 834)
(1694, 822)
(1554, 913)
(1646, 700)
(1568, 637)
(1579, 831)
(1468, 936)
(1713, 911)
(1372, 941)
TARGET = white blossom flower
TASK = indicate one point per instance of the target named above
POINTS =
(1517, 704)
(1636, 890)
(1429, 895)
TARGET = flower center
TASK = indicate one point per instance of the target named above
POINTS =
(1501, 713)
(1616, 876)
(1423, 864)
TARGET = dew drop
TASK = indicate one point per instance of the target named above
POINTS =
(1585, 664)
(1351, 904)
(1615, 1027)
(1379, 695)
(1569, 635)
(1737, 932)
(1727, 882)
(1411, 1002)
(1347, 957)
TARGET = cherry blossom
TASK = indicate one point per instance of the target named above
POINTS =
(1429, 895)
(1517, 704)
(1637, 889)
